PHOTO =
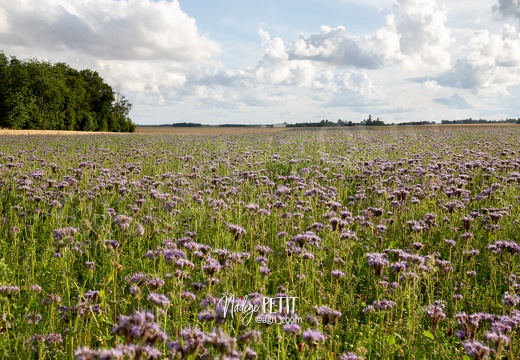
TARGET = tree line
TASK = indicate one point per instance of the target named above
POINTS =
(481, 121)
(327, 123)
(43, 96)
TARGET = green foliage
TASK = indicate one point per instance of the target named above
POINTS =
(44, 96)
(480, 121)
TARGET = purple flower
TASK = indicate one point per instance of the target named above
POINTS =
(510, 300)
(497, 338)
(9, 291)
(292, 329)
(211, 267)
(377, 261)
(112, 244)
(60, 234)
(51, 298)
(510, 246)
(123, 221)
(236, 230)
(221, 342)
(444, 265)
(187, 295)
(313, 338)
(54, 339)
(312, 320)
(383, 304)
(476, 350)
(348, 234)
(193, 342)
(435, 312)
(417, 245)
(348, 356)
(36, 288)
(467, 220)
(136, 278)
(263, 250)
(398, 266)
(159, 299)
(308, 237)
(337, 274)
(450, 242)
(328, 315)
(141, 328)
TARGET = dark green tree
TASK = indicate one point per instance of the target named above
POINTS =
(40, 95)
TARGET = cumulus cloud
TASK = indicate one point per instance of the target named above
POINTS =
(280, 77)
(150, 48)
(454, 102)
(352, 89)
(137, 30)
(507, 8)
(335, 46)
(153, 49)
(491, 63)
(416, 37)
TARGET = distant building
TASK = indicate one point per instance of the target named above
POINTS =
(280, 125)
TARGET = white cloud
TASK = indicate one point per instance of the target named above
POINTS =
(282, 78)
(417, 37)
(123, 30)
(352, 89)
(491, 63)
(150, 48)
(335, 46)
(431, 84)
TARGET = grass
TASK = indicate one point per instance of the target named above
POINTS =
(104, 234)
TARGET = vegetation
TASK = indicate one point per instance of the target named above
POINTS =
(413, 123)
(370, 122)
(397, 244)
(185, 124)
(42, 96)
(481, 121)
(327, 123)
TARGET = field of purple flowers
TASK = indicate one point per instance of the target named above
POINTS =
(393, 244)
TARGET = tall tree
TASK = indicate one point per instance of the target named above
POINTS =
(40, 95)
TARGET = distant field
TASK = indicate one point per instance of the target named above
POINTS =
(206, 130)
(249, 130)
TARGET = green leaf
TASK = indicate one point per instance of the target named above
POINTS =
(390, 339)
(428, 334)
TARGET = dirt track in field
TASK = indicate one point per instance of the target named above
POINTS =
(47, 132)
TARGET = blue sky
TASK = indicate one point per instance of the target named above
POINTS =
(266, 62)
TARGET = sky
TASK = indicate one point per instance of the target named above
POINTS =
(275, 61)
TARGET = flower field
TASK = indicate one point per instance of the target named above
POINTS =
(390, 245)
